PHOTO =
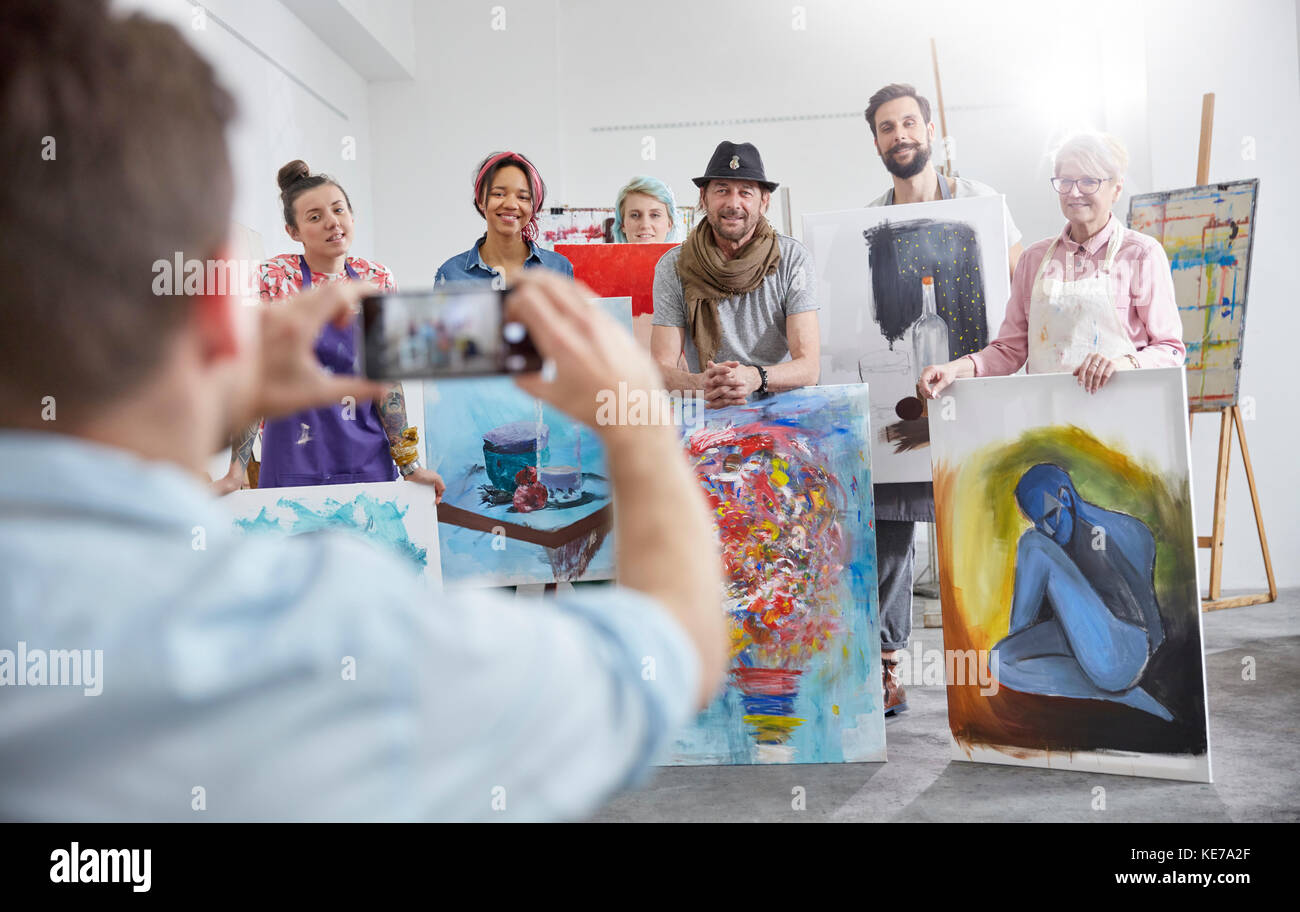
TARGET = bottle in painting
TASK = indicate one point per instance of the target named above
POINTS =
(929, 333)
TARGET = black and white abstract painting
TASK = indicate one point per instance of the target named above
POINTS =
(870, 265)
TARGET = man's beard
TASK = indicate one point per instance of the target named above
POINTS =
(920, 159)
(715, 222)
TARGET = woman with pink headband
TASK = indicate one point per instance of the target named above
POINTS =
(508, 193)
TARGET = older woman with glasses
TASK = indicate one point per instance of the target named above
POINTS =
(1093, 300)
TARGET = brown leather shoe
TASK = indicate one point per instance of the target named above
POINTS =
(895, 695)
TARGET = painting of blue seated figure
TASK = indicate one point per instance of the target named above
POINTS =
(1085, 621)
(1067, 570)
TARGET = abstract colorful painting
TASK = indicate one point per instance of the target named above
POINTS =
(398, 516)
(616, 270)
(1067, 570)
(789, 481)
(870, 263)
(1208, 233)
(527, 497)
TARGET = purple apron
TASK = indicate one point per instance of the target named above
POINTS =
(320, 446)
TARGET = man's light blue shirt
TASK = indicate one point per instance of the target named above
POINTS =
(224, 684)
(470, 265)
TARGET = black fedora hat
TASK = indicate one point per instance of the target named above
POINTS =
(735, 161)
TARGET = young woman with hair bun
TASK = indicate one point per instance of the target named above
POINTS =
(351, 442)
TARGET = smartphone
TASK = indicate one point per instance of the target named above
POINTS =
(457, 329)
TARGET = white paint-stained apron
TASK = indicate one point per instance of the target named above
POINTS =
(1071, 319)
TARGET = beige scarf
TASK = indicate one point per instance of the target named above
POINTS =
(708, 278)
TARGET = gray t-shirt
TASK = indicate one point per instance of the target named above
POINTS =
(966, 188)
(753, 324)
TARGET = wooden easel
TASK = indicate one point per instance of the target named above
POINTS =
(1229, 417)
(943, 119)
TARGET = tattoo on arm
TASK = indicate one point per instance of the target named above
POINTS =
(241, 445)
(392, 413)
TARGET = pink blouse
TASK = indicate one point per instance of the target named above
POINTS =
(1143, 293)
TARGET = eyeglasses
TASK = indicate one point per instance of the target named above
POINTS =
(1087, 185)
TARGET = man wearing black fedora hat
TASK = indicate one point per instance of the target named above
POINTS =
(737, 298)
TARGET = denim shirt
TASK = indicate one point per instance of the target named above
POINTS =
(217, 661)
(470, 265)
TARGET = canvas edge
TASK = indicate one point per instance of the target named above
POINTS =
(1177, 767)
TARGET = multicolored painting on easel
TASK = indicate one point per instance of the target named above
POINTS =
(870, 263)
(789, 480)
(1208, 233)
(620, 270)
(527, 497)
(394, 515)
(1067, 569)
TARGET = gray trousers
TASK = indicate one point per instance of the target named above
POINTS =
(895, 554)
(898, 508)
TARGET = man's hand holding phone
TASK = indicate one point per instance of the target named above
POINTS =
(287, 376)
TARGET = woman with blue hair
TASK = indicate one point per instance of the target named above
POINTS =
(645, 212)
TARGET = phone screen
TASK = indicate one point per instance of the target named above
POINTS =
(455, 330)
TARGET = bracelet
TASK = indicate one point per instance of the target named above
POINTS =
(1133, 358)
(407, 451)
(762, 377)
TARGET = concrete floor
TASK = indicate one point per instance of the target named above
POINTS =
(1253, 754)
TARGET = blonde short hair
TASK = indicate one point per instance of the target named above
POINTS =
(1100, 154)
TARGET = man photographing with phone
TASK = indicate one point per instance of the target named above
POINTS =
(221, 659)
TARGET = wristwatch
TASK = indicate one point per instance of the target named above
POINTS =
(762, 376)
(409, 467)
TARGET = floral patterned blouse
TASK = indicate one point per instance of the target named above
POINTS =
(280, 277)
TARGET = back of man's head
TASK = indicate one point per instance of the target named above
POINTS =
(114, 157)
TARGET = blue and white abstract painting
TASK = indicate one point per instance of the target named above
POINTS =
(397, 516)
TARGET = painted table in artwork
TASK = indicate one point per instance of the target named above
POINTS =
(527, 497)
(788, 479)
(569, 534)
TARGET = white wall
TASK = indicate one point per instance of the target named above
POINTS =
(1252, 69)
(477, 90)
(304, 102)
